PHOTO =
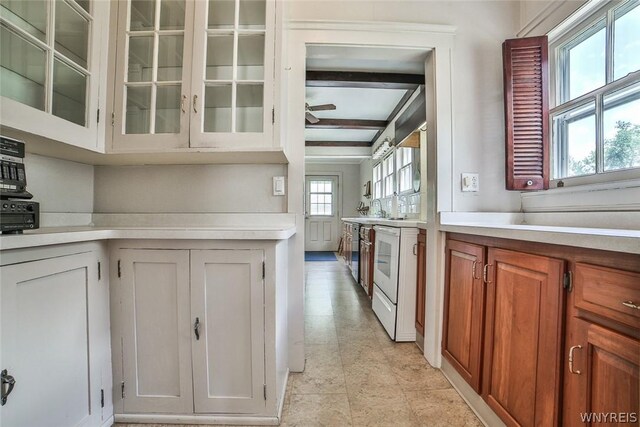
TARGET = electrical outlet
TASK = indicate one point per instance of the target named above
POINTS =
(470, 182)
(278, 186)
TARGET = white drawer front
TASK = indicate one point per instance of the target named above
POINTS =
(385, 310)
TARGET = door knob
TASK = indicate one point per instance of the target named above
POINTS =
(5, 380)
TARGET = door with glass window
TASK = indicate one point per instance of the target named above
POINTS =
(322, 224)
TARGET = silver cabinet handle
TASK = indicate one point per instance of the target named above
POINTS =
(631, 304)
(195, 103)
(183, 104)
(6, 379)
(196, 328)
(415, 249)
(571, 350)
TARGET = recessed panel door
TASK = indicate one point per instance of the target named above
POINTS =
(322, 213)
(227, 309)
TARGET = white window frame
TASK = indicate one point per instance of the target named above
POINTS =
(389, 179)
(332, 193)
(377, 181)
(559, 92)
(400, 168)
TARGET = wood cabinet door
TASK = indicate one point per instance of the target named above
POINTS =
(525, 300)
(227, 308)
(156, 346)
(421, 281)
(603, 377)
(49, 332)
(464, 310)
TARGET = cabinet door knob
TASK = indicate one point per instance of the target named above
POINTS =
(631, 304)
(196, 328)
(6, 379)
(571, 350)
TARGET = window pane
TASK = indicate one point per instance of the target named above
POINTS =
(30, 16)
(69, 93)
(314, 186)
(170, 58)
(72, 34)
(217, 111)
(581, 146)
(143, 14)
(85, 4)
(138, 109)
(314, 209)
(168, 109)
(140, 59)
(626, 50)
(313, 198)
(587, 64)
(172, 14)
(22, 70)
(622, 129)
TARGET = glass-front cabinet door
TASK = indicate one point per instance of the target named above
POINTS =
(232, 76)
(152, 77)
(50, 68)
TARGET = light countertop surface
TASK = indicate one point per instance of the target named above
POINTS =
(385, 221)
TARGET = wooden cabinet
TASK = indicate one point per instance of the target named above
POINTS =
(464, 308)
(53, 60)
(193, 331)
(522, 359)
(194, 75)
(54, 317)
(421, 282)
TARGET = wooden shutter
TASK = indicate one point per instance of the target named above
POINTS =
(526, 105)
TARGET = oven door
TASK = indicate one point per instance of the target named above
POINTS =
(385, 267)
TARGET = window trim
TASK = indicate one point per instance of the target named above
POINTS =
(392, 155)
(379, 164)
(558, 67)
(399, 168)
(333, 193)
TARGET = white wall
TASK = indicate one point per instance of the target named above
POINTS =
(64, 190)
(351, 190)
(478, 144)
(188, 189)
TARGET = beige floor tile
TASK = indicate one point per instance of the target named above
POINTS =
(318, 410)
(419, 377)
(323, 372)
(320, 329)
(380, 406)
(369, 374)
(440, 408)
(361, 352)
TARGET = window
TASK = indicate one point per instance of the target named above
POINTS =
(377, 181)
(387, 175)
(321, 197)
(596, 121)
(404, 165)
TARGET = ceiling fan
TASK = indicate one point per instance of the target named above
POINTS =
(309, 108)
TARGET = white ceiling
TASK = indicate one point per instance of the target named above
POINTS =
(354, 103)
(364, 58)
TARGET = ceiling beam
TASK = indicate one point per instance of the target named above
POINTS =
(353, 79)
(337, 144)
(347, 124)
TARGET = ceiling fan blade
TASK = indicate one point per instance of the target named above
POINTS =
(311, 118)
(322, 107)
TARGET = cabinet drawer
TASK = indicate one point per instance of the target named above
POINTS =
(608, 292)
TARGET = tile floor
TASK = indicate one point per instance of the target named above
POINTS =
(355, 375)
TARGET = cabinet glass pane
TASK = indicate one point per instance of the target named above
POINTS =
(250, 57)
(217, 110)
(220, 57)
(221, 14)
(172, 15)
(85, 4)
(249, 107)
(69, 93)
(168, 109)
(170, 58)
(138, 109)
(72, 34)
(252, 14)
(30, 16)
(22, 70)
(140, 59)
(143, 14)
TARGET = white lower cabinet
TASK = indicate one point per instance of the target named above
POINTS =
(192, 327)
(54, 335)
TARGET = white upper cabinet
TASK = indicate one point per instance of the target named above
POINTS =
(194, 74)
(52, 55)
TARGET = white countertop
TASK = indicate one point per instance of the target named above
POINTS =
(384, 221)
(62, 235)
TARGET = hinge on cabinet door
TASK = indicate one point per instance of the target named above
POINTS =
(567, 281)
(119, 270)
(102, 398)
(113, 119)
(122, 389)
(273, 115)
(99, 271)
(98, 116)
(263, 269)
(264, 387)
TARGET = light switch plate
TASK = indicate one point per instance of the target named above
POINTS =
(470, 182)
(278, 186)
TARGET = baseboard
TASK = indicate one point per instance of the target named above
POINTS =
(196, 419)
(283, 393)
(109, 422)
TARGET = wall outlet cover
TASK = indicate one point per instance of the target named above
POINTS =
(470, 182)
(278, 186)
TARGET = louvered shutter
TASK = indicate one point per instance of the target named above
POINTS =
(526, 104)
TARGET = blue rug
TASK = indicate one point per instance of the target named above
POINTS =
(319, 256)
